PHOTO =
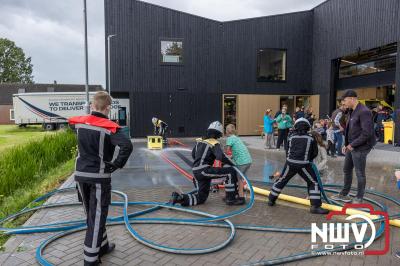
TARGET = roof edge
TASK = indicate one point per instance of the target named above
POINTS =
(227, 21)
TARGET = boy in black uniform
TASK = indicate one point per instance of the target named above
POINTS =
(302, 150)
(160, 128)
(97, 138)
(204, 154)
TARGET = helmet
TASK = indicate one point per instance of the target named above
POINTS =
(216, 125)
(302, 124)
(154, 120)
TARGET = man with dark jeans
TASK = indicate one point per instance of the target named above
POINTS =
(359, 140)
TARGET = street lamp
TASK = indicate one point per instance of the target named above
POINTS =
(108, 61)
(87, 107)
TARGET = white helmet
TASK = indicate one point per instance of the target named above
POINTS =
(154, 120)
(302, 121)
(216, 125)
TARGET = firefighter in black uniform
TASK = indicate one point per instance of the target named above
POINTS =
(160, 128)
(97, 138)
(207, 151)
(302, 150)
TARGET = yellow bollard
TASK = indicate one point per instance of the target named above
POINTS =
(330, 207)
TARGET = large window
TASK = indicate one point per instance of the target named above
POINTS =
(369, 61)
(171, 51)
(271, 65)
(374, 96)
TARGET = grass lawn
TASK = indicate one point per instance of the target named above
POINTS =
(22, 197)
(11, 135)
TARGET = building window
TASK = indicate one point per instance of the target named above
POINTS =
(12, 115)
(271, 65)
(369, 61)
(171, 51)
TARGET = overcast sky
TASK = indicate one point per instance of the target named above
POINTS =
(51, 31)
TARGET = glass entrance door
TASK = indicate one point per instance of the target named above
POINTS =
(230, 109)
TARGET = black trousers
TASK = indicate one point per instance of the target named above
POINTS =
(202, 181)
(161, 132)
(331, 148)
(307, 173)
(282, 138)
(96, 197)
(355, 160)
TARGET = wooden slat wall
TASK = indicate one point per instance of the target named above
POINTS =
(251, 110)
(314, 103)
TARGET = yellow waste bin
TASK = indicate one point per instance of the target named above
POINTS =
(388, 129)
(154, 142)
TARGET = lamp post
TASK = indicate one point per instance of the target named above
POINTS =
(108, 62)
(87, 107)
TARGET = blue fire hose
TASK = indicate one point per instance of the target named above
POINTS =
(210, 220)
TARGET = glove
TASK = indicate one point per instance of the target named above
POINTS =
(111, 166)
(217, 164)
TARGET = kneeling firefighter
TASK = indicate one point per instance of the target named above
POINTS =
(302, 150)
(160, 128)
(97, 137)
(206, 151)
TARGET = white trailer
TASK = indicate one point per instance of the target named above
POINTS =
(52, 109)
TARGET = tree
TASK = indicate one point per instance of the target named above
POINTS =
(174, 49)
(14, 66)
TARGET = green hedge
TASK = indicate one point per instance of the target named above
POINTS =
(24, 165)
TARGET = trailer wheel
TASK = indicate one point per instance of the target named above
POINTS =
(49, 127)
(62, 126)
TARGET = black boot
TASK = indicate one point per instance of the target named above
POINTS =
(271, 202)
(237, 201)
(318, 210)
(176, 198)
(110, 248)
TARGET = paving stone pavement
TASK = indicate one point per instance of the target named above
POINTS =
(248, 246)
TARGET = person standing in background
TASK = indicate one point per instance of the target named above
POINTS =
(284, 106)
(284, 124)
(339, 123)
(322, 159)
(299, 113)
(269, 129)
(380, 117)
(330, 137)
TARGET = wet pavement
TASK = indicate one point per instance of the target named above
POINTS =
(149, 177)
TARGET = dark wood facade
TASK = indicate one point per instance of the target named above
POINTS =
(220, 57)
(343, 27)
